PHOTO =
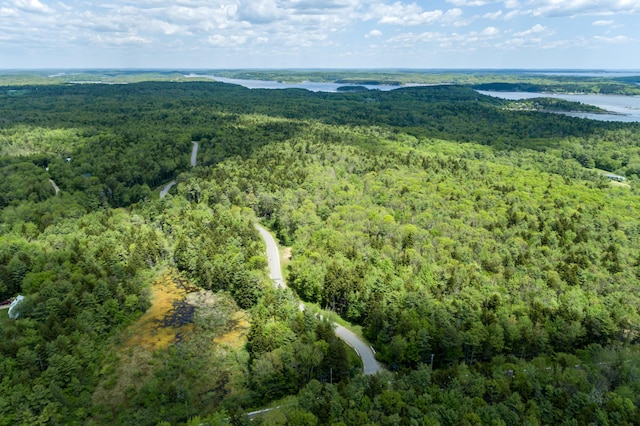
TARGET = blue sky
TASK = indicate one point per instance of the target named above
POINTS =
(601, 34)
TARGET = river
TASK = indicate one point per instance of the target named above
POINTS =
(624, 108)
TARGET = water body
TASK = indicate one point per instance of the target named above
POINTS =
(624, 108)
(308, 85)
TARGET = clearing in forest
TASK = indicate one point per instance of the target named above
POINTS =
(200, 321)
(168, 319)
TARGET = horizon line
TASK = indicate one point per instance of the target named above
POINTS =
(320, 69)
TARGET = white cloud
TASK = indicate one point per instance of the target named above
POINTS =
(411, 38)
(621, 39)
(521, 42)
(470, 2)
(470, 41)
(179, 22)
(535, 37)
(400, 14)
(412, 14)
(490, 31)
(34, 6)
(6, 12)
(537, 28)
(194, 14)
(219, 40)
(259, 12)
(492, 15)
(540, 43)
(115, 40)
(558, 8)
(226, 41)
(262, 30)
(453, 17)
(318, 5)
(511, 15)
(166, 28)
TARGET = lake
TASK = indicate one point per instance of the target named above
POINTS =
(625, 108)
(308, 85)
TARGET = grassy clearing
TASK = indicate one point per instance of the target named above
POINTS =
(131, 361)
(236, 337)
(207, 328)
(154, 330)
(619, 184)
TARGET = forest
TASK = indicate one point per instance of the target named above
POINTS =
(478, 248)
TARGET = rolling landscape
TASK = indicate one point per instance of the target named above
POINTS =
(445, 257)
(319, 213)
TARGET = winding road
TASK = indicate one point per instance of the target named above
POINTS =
(194, 158)
(364, 351)
(166, 188)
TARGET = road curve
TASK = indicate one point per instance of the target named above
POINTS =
(166, 188)
(369, 362)
(55, 187)
(364, 351)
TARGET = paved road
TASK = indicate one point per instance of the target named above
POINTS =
(194, 153)
(252, 415)
(55, 187)
(166, 188)
(273, 257)
(364, 351)
(194, 157)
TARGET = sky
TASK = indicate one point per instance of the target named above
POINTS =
(189, 34)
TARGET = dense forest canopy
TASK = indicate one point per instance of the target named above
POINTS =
(479, 249)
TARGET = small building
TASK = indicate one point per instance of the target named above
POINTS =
(14, 313)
